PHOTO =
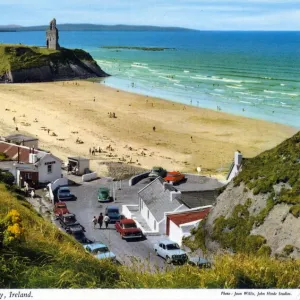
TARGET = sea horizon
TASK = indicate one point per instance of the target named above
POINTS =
(254, 74)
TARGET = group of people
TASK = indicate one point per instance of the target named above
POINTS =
(100, 220)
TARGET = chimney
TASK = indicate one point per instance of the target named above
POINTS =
(175, 195)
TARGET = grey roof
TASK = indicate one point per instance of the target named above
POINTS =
(195, 199)
(157, 197)
(19, 138)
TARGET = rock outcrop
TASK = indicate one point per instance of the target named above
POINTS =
(20, 64)
(259, 211)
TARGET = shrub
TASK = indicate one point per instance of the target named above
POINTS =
(288, 249)
(295, 210)
(7, 178)
(254, 242)
(264, 250)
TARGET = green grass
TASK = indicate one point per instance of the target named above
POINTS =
(278, 165)
(17, 57)
(48, 258)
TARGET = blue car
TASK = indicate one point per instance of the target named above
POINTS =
(64, 194)
(100, 251)
(113, 213)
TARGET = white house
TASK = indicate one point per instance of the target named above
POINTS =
(31, 165)
(180, 224)
(155, 200)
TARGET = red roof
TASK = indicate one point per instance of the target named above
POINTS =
(187, 217)
(11, 150)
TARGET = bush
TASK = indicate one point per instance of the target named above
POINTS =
(264, 250)
(288, 249)
(295, 210)
(7, 177)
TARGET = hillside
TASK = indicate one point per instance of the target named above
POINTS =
(19, 63)
(35, 254)
(259, 212)
(96, 27)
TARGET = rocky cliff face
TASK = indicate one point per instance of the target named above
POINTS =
(259, 211)
(33, 64)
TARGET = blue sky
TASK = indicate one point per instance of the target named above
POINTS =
(198, 14)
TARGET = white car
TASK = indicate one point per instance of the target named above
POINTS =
(170, 251)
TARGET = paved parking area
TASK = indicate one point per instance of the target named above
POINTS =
(86, 207)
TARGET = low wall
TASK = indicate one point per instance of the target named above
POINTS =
(53, 186)
(89, 177)
(135, 179)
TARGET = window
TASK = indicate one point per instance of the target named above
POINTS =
(148, 214)
(154, 225)
(28, 176)
(49, 169)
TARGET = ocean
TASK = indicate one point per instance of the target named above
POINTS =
(252, 74)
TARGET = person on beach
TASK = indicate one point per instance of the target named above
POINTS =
(95, 221)
(154, 128)
(106, 220)
(100, 220)
(90, 150)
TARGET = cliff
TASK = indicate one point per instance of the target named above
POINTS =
(259, 211)
(20, 63)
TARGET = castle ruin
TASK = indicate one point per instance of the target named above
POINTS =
(52, 36)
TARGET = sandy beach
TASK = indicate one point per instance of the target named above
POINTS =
(185, 137)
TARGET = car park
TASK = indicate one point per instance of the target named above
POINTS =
(113, 213)
(100, 251)
(60, 208)
(156, 172)
(128, 229)
(174, 177)
(64, 194)
(104, 195)
(170, 251)
(202, 263)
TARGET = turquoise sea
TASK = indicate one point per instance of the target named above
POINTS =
(254, 74)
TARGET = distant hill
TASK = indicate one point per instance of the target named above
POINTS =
(94, 27)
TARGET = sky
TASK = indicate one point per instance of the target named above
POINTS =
(196, 14)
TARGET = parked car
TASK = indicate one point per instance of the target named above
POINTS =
(202, 263)
(67, 220)
(170, 251)
(77, 232)
(60, 208)
(128, 229)
(113, 212)
(156, 172)
(174, 177)
(64, 194)
(104, 195)
(100, 251)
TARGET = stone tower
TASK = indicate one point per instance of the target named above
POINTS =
(52, 36)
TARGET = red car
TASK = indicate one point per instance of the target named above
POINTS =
(128, 229)
(60, 208)
(174, 177)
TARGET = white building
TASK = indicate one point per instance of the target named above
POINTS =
(31, 165)
(180, 224)
(155, 200)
